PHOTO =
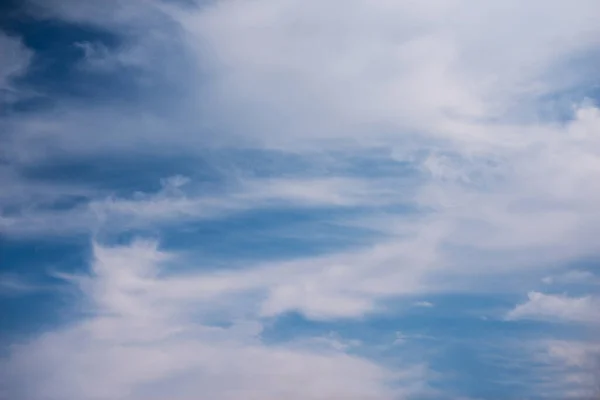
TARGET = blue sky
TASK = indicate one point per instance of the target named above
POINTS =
(269, 199)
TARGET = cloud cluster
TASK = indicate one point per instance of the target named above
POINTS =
(482, 145)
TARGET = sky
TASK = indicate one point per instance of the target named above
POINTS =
(309, 200)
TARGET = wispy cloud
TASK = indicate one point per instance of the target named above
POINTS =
(570, 367)
(571, 277)
(558, 308)
(15, 61)
(174, 203)
(425, 304)
(15, 285)
(464, 137)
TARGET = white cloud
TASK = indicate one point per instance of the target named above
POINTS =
(342, 285)
(139, 344)
(558, 308)
(400, 66)
(400, 73)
